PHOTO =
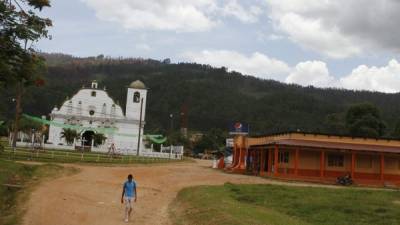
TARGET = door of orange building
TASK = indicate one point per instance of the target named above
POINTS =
(266, 160)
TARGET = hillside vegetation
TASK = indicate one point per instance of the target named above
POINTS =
(213, 96)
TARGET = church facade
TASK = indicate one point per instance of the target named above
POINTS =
(92, 110)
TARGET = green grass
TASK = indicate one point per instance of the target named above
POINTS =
(275, 205)
(60, 156)
(26, 176)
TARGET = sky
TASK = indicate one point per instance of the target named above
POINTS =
(351, 44)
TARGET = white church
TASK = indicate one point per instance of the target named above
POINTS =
(94, 110)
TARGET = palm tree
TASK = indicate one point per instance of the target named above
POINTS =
(99, 139)
(69, 135)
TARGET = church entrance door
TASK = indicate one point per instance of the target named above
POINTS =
(86, 139)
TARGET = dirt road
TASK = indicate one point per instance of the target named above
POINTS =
(92, 197)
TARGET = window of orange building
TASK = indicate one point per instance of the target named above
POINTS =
(335, 160)
(283, 157)
(364, 161)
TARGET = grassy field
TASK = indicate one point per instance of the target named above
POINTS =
(76, 157)
(283, 205)
(23, 178)
(64, 156)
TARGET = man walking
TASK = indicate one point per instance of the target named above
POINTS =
(128, 195)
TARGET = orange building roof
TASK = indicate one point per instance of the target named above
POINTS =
(339, 146)
(326, 142)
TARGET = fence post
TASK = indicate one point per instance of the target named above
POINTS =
(10, 139)
(81, 156)
(43, 137)
(170, 151)
(182, 150)
(33, 141)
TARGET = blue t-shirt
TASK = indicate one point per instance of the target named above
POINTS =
(129, 187)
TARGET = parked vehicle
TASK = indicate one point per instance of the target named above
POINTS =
(345, 180)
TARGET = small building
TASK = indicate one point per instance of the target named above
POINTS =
(92, 110)
(319, 157)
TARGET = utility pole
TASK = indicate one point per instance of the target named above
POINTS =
(184, 120)
(140, 126)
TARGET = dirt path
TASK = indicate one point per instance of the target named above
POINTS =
(92, 196)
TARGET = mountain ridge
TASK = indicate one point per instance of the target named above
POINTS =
(214, 97)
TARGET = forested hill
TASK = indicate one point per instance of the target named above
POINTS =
(213, 96)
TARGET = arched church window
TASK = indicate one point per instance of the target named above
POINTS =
(69, 107)
(93, 94)
(79, 110)
(113, 110)
(136, 97)
(103, 109)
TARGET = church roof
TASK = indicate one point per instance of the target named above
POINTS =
(137, 85)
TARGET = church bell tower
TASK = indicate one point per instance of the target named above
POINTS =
(136, 98)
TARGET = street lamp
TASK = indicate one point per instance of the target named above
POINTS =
(171, 116)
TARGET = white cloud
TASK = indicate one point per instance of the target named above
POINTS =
(275, 37)
(143, 47)
(313, 73)
(338, 28)
(383, 79)
(179, 15)
(257, 64)
(233, 8)
(174, 15)
(313, 35)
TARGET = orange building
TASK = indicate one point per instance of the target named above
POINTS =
(317, 157)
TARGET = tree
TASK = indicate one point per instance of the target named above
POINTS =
(396, 130)
(176, 138)
(3, 129)
(334, 124)
(98, 139)
(69, 135)
(365, 120)
(20, 65)
(27, 125)
(214, 139)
